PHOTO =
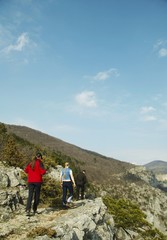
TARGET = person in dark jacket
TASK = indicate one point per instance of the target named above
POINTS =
(81, 180)
(35, 170)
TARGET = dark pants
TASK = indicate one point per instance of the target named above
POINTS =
(80, 189)
(33, 193)
(67, 186)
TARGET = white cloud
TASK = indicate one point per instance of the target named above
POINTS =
(101, 76)
(21, 42)
(147, 115)
(145, 110)
(149, 118)
(161, 47)
(86, 99)
(19, 50)
(159, 43)
(104, 75)
(163, 52)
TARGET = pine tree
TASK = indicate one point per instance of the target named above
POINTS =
(11, 154)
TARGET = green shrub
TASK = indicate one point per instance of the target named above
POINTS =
(51, 192)
(128, 216)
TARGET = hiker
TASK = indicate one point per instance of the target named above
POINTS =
(35, 170)
(81, 180)
(67, 182)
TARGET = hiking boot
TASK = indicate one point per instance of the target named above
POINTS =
(36, 212)
(28, 213)
(65, 206)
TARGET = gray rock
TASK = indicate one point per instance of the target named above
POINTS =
(89, 220)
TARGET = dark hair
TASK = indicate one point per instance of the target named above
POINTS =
(39, 155)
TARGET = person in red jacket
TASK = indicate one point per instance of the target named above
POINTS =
(35, 170)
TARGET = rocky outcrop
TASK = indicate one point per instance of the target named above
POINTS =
(161, 177)
(148, 176)
(89, 218)
(55, 173)
(10, 176)
(145, 175)
(12, 191)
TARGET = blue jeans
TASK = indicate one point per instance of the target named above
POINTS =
(67, 186)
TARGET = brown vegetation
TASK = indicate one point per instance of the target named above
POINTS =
(99, 168)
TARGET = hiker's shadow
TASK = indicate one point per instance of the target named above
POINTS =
(79, 204)
(50, 210)
(58, 208)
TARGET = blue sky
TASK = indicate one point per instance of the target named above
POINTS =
(91, 73)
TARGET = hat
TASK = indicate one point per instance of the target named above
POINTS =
(39, 155)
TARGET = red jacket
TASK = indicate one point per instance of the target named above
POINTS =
(35, 175)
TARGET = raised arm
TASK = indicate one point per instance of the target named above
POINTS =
(72, 177)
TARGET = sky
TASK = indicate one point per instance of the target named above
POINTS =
(91, 73)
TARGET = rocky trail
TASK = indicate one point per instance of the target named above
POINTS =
(86, 219)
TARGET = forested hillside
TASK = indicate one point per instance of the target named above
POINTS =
(99, 168)
(17, 151)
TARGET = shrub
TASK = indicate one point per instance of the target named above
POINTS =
(51, 192)
(128, 216)
(41, 231)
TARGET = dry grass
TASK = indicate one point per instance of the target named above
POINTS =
(41, 231)
(99, 168)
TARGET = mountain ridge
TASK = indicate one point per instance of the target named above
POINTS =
(157, 166)
(99, 168)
